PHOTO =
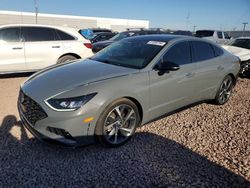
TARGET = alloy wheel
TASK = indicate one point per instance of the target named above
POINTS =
(120, 124)
(225, 90)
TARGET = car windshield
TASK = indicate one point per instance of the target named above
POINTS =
(121, 36)
(134, 53)
(242, 43)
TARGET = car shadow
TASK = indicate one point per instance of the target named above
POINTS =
(148, 160)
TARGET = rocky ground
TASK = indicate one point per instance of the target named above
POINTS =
(203, 146)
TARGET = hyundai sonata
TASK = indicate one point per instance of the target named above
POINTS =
(128, 84)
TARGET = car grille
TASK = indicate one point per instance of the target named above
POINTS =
(31, 110)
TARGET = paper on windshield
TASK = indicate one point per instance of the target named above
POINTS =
(157, 43)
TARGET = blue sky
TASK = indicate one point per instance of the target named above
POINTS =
(172, 14)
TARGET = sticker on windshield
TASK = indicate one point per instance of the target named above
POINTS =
(157, 43)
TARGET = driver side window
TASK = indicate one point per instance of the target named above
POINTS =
(178, 54)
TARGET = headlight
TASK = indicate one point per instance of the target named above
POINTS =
(69, 104)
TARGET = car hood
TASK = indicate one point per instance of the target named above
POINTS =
(65, 77)
(242, 53)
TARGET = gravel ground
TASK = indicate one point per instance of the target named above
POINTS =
(203, 146)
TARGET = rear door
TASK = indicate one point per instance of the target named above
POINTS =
(11, 50)
(209, 69)
(173, 89)
(42, 47)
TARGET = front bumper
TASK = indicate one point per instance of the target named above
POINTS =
(65, 131)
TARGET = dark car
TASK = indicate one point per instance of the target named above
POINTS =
(129, 33)
(102, 36)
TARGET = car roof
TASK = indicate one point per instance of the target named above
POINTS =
(36, 25)
(70, 30)
(158, 37)
(213, 30)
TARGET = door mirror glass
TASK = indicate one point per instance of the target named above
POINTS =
(168, 66)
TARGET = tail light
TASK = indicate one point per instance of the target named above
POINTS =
(88, 45)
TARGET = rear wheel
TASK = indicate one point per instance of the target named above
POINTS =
(65, 58)
(224, 91)
(117, 124)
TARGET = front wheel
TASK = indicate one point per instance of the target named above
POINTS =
(117, 124)
(224, 91)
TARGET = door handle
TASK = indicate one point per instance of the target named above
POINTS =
(56, 46)
(17, 48)
(220, 68)
(190, 74)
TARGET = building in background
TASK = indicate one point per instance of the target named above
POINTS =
(12, 17)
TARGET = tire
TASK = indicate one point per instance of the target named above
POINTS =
(245, 70)
(117, 124)
(225, 90)
(65, 58)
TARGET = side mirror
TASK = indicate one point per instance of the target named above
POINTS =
(166, 66)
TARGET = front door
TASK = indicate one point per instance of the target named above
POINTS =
(174, 89)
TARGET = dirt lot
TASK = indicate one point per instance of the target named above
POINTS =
(203, 146)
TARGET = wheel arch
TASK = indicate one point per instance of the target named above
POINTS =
(72, 54)
(233, 77)
(137, 103)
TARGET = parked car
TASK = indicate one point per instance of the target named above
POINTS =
(181, 32)
(28, 48)
(90, 32)
(128, 84)
(102, 36)
(219, 37)
(241, 48)
(129, 33)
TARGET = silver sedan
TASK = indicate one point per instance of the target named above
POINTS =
(128, 84)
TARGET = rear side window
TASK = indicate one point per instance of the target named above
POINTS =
(201, 51)
(179, 54)
(10, 34)
(32, 34)
(217, 51)
(64, 36)
(220, 35)
(226, 35)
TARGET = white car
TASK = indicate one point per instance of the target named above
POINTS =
(218, 37)
(28, 48)
(241, 48)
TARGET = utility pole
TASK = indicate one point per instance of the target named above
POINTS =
(36, 9)
(194, 28)
(244, 28)
(188, 16)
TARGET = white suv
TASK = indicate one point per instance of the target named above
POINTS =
(27, 48)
